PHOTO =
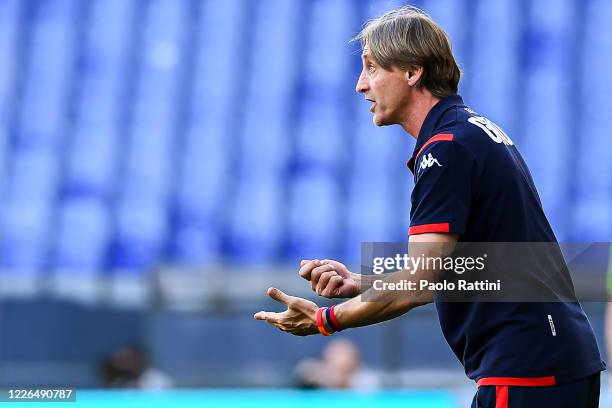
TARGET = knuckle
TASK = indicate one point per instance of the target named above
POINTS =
(328, 275)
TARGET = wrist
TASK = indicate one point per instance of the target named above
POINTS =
(341, 315)
(323, 328)
(327, 322)
(332, 319)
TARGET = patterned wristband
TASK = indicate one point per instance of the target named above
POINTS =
(333, 321)
(320, 325)
(329, 319)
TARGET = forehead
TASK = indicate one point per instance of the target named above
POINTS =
(365, 52)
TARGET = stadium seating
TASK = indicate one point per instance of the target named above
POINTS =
(195, 133)
(590, 162)
(205, 168)
(491, 92)
(547, 106)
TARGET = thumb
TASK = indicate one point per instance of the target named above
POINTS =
(279, 295)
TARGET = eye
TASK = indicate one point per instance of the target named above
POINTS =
(370, 67)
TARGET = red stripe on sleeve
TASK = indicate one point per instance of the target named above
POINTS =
(442, 137)
(425, 228)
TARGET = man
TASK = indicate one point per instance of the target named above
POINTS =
(471, 185)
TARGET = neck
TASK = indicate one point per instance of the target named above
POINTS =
(419, 108)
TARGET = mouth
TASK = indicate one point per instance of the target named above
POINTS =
(373, 104)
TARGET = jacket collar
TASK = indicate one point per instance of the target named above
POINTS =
(430, 123)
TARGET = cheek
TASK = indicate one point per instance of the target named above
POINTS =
(376, 82)
(384, 89)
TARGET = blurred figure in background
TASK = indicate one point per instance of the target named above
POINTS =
(339, 368)
(129, 367)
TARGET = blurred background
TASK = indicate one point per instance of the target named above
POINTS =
(162, 162)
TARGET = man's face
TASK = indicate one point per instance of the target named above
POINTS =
(388, 90)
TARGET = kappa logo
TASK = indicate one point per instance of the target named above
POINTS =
(428, 160)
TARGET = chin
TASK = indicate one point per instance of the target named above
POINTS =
(380, 121)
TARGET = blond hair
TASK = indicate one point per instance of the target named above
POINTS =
(407, 38)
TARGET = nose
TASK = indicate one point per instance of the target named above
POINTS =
(362, 85)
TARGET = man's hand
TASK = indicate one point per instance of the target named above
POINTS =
(330, 279)
(299, 319)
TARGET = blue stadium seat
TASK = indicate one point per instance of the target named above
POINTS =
(495, 65)
(150, 147)
(111, 44)
(50, 64)
(138, 237)
(160, 59)
(104, 61)
(82, 238)
(255, 221)
(34, 176)
(92, 161)
(95, 149)
(370, 215)
(591, 161)
(24, 227)
(375, 8)
(547, 125)
(148, 173)
(453, 16)
(321, 134)
(331, 24)
(315, 215)
(327, 82)
(377, 150)
(271, 86)
(221, 32)
(26, 217)
(196, 237)
(206, 150)
(9, 28)
(200, 194)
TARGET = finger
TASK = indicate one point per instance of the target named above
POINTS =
(260, 315)
(336, 264)
(305, 269)
(325, 277)
(323, 268)
(331, 289)
(316, 273)
(280, 296)
(304, 262)
(269, 317)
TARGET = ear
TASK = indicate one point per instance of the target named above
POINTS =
(413, 75)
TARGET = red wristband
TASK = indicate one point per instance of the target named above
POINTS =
(332, 314)
(320, 325)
